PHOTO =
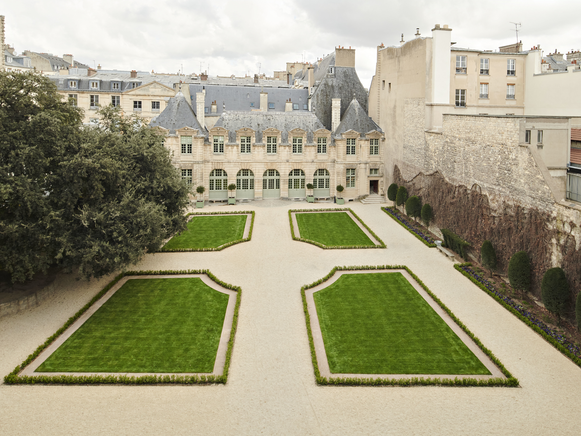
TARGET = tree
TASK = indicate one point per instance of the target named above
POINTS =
(413, 206)
(555, 291)
(402, 196)
(519, 271)
(488, 256)
(92, 199)
(392, 192)
(427, 214)
(231, 187)
(200, 190)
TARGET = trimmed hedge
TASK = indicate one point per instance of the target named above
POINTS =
(555, 291)
(332, 247)
(410, 227)
(413, 206)
(455, 243)
(14, 378)
(392, 192)
(427, 214)
(519, 271)
(221, 247)
(510, 381)
(488, 256)
(402, 195)
(559, 341)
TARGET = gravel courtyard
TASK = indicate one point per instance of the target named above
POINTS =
(271, 387)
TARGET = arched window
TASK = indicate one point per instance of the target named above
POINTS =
(244, 180)
(321, 179)
(271, 179)
(218, 180)
(296, 179)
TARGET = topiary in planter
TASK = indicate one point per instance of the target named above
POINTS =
(519, 271)
(340, 189)
(488, 256)
(555, 291)
(392, 192)
(427, 214)
(402, 196)
(413, 206)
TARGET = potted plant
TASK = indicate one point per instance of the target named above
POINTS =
(231, 197)
(340, 200)
(310, 197)
(200, 190)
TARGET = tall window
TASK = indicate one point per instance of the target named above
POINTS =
(115, 100)
(218, 144)
(155, 105)
(137, 105)
(510, 92)
(460, 98)
(115, 85)
(187, 176)
(527, 136)
(539, 137)
(186, 144)
(297, 145)
(322, 145)
(271, 144)
(460, 64)
(94, 101)
(245, 179)
(350, 182)
(296, 179)
(484, 90)
(351, 146)
(218, 180)
(510, 67)
(73, 99)
(374, 146)
(321, 179)
(271, 179)
(245, 144)
(484, 66)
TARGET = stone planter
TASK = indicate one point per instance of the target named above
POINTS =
(310, 199)
(199, 204)
(340, 201)
(231, 200)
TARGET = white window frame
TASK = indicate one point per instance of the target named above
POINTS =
(540, 137)
(115, 100)
(93, 101)
(374, 171)
(271, 143)
(510, 91)
(322, 145)
(484, 66)
(187, 176)
(374, 147)
(350, 178)
(350, 147)
(297, 144)
(72, 84)
(321, 179)
(186, 144)
(137, 106)
(460, 64)
(94, 84)
(115, 85)
(511, 67)
(296, 179)
(155, 106)
(460, 100)
(218, 142)
(245, 145)
(218, 180)
(484, 90)
(527, 136)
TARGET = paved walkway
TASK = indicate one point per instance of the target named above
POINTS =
(271, 387)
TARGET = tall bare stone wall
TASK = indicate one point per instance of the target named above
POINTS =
(483, 185)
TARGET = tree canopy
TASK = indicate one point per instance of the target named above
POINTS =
(88, 198)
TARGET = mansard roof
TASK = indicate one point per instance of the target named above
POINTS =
(260, 121)
(178, 114)
(355, 118)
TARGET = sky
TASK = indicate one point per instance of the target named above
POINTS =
(225, 37)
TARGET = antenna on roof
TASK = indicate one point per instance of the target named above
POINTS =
(516, 26)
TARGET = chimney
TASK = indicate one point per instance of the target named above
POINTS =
(68, 58)
(263, 101)
(311, 77)
(99, 66)
(574, 56)
(203, 76)
(288, 106)
(200, 108)
(214, 107)
(256, 78)
(133, 74)
(557, 56)
(335, 113)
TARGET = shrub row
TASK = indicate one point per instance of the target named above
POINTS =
(221, 247)
(14, 378)
(410, 227)
(332, 247)
(510, 381)
(455, 242)
(559, 341)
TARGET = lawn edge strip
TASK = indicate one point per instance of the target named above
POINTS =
(535, 327)
(333, 247)
(387, 210)
(510, 381)
(15, 378)
(221, 247)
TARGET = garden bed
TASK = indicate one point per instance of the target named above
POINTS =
(411, 226)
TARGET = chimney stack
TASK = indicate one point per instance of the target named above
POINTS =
(200, 108)
(288, 106)
(68, 58)
(214, 107)
(263, 101)
(204, 76)
(256, 78)
(335, 113)
(133, 74)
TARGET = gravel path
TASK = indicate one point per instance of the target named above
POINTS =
(271, 387)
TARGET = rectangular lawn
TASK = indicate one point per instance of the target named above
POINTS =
(155, 325)
(377, 323)
(209, 232)
(331, 228)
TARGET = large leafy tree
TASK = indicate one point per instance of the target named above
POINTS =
(88, 198)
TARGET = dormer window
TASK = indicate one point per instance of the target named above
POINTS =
(8, 59)
(331, 70)
(115, 85)
(94, 84)
(73, 84)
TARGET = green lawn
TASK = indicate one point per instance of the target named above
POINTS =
(209, 232)
(377, 323)
(148, 325)
(332, 228)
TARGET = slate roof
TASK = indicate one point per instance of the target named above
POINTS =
(58, 63)
(260, 121)
(178, 114)
(557, 65)
(247, 98)
(17, 60)
(322, 68)
(356, 118)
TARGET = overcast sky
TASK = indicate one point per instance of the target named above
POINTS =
(244, 36)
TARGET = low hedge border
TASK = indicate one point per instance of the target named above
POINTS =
(560, 342)
(510, 381)
(416, 232)
(333, 247)
(14, 378)
(221, 247)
